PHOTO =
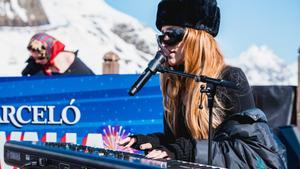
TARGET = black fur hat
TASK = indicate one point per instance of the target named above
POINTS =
(196, 14)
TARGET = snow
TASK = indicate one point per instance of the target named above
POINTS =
(89, 30)
(263, 67)
(19, 11)
(94, 28)
(8, 11)
(12, 10)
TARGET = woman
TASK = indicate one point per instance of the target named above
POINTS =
(49, 57)
(242, 138)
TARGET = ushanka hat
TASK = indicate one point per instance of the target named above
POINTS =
(196, 14)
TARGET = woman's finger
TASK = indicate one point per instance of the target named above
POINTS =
(157, 154)
(152, 154)
(124, 141)
(131, 142)
(146, 146)
(161, 155)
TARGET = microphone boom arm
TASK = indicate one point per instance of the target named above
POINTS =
(200, 78)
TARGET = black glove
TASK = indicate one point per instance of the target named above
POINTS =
(182, 149)
(142, 139)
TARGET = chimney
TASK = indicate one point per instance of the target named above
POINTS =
(110, 64)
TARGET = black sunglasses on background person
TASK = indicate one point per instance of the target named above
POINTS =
(171, 36)
(36, 50)
(33, 49)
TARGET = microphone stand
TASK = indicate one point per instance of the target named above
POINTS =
(210, 91)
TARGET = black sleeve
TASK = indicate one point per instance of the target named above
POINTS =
(248, 146)
(182, 149)
(32, 68)
(179, 149)
(243, 142)
(156, 139)
(78, 67)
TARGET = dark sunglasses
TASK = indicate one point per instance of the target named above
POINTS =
(33, 50)
(36, 50)
(172, 36)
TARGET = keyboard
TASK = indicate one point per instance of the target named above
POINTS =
(74, 156)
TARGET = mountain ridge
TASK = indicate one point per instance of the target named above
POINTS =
(97, 28)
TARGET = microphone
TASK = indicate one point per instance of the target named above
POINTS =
(153, 65)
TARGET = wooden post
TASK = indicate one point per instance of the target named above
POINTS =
(110, 64)
(298, 92)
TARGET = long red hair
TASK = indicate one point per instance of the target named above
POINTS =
(201, 57)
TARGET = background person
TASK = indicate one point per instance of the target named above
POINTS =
(49, 57)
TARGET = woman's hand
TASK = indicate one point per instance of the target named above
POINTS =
(129, 141)
(158, 154)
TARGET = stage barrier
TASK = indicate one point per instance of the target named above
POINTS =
(97, 110)
(90, 110)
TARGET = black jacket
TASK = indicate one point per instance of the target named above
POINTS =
(242, 140)
(76, 68)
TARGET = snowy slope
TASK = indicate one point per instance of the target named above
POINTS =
(95, 28)
(263, 67)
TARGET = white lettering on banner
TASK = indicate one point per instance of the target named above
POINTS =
(39, 115)
(93, 140)
(69, 138)
(30, 136)
(76, 111)
(51, 116)
(49, 137)
(5, 113)
(15, 135)
(19, 114)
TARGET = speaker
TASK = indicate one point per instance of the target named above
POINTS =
(290, 137)
(278, 103)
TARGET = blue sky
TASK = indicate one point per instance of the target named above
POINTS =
(274, 23)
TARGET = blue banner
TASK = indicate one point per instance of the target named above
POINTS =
(89, 110)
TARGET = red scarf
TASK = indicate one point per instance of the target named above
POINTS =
(56, 49)
(52, 46)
